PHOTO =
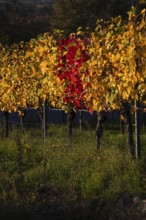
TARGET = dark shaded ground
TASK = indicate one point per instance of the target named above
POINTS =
(124, 207)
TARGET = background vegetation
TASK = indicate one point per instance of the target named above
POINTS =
(23, 20)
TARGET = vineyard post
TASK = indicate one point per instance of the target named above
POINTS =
(137, 131)
(6, 124)
(126, 112)
(42, 115)
(70, 119)
(122, 124)
(80, 119)
(69, 125)
(44, 122)
(22, 118)
(101, 117)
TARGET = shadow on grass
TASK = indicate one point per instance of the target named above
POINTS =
(124, 207)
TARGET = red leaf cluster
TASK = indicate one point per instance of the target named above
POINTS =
(71, 56)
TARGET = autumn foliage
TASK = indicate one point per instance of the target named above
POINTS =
(72, 54)
(98, 72)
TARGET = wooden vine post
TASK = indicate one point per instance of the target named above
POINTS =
(44, 122)
(101, 117)
(126, 112)
(137, 131)
(70, 118)
(6, 124)
(22, 119)
(80, 120)
(42, 112)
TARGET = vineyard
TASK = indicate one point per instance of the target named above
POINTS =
(97, 73)
(100, 71)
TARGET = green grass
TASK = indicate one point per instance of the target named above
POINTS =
(38, 172)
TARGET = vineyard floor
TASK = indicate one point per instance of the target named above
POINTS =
(79, 210)
(41, 181)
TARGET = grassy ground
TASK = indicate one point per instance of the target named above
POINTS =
(34, 174)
